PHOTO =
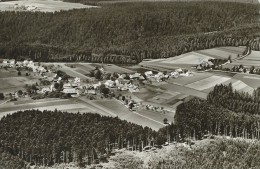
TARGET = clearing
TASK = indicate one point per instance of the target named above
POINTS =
(40, 5)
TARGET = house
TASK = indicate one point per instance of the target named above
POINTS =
(174, 74)
(5, 61)
(25, 62)
(122, 76)
(46, 89)
(74, 92)
(12, 62)
(91, 91)
(97, 85)
(19, 63)
(149, 74)
(110, 83)
(185, 74)
(199, 67)
(77, 80)
(178, 70)
(42, 69)
(70, 85)
(135, 76)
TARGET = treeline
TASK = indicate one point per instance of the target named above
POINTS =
(241, 102)
(197, 118)
(128, 32)
(45, 138)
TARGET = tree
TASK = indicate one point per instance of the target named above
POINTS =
(2, 96)
(56, 86)
(165, 121)
(19, 73)
(98, 74)
(105, 91)
(20, 93)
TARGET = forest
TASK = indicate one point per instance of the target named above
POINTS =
(50, 137)
(128, 32)
(240, 102)
(46, 138)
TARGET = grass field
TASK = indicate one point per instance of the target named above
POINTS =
(190, 79)
(52, 104)
(12, 84)
(111, 68)
(184, 90)
(194, 58)
(222, 52)
(251, 60)
(208, 82)
(40, 5)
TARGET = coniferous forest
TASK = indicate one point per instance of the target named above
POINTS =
(128, 32)
(46, 138)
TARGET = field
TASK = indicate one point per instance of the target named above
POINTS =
(207, 82)
(222, 52)
(40, 5)
(153, 120)
(251, 60)
(50, 104)
(194, 58)
(10, 81)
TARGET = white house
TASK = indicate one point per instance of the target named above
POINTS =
(73, 91)
(110, 83)
(135, 76)
(70, 85)
(149, 74)
(25, 62)
(12, 61)
(97, 85)
(5, 61)
(77, 80)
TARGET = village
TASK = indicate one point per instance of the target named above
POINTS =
(147, 94)
(51, 81)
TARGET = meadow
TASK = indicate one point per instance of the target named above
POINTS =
(40, 5)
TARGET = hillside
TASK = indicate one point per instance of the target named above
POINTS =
(128, 32)
(47, 138)
(219, 153)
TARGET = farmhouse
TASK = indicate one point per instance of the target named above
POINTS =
(149, 74)
(110, 83)
(135, 76)
(72, 91)
(70, 85)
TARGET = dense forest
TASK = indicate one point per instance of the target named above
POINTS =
(225, 112)
(128, 32)
(240, 102)
(45, 138)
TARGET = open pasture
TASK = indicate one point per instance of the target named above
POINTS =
(190, 79)
(163, 98)
(192, 58)
(251, 60)
(184, 90)
(12, 84)
(40, 5)
(207, 82)
(222, 52)
(63, 105)
(113, 106)
(251, 80)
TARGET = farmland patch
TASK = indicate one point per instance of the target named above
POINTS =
(208, 82)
